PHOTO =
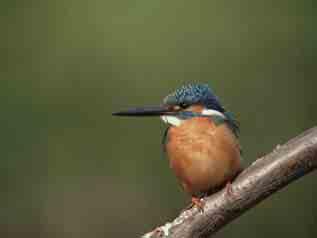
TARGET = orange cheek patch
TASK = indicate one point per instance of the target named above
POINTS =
(195, 108)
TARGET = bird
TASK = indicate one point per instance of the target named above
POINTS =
(201, 139)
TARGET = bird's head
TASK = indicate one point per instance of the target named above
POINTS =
(190, 101)
(186, 102)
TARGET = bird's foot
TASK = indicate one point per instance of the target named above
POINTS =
(199, 203)
(229, 189)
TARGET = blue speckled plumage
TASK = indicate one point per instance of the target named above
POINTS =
(193, 94)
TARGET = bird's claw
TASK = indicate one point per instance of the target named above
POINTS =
(229, 189)
(199, 203)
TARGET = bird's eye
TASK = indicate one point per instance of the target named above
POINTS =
(183, 105)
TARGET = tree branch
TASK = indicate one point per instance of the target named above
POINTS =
(261, 179)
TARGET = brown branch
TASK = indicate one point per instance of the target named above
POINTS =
(261, 179)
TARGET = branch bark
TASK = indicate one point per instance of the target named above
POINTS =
(262, 178)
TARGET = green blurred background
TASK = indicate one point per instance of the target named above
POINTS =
(70, 169)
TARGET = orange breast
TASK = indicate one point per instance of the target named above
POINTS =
(203, 155)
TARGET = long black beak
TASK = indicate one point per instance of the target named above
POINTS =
(145, 111)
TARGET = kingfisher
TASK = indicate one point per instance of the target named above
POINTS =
(201, 139)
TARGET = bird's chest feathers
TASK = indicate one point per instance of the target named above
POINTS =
(201, 153)
(193, 137)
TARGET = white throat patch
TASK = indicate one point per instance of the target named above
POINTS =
(172, 120)
(210, 112)
(176, 121)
